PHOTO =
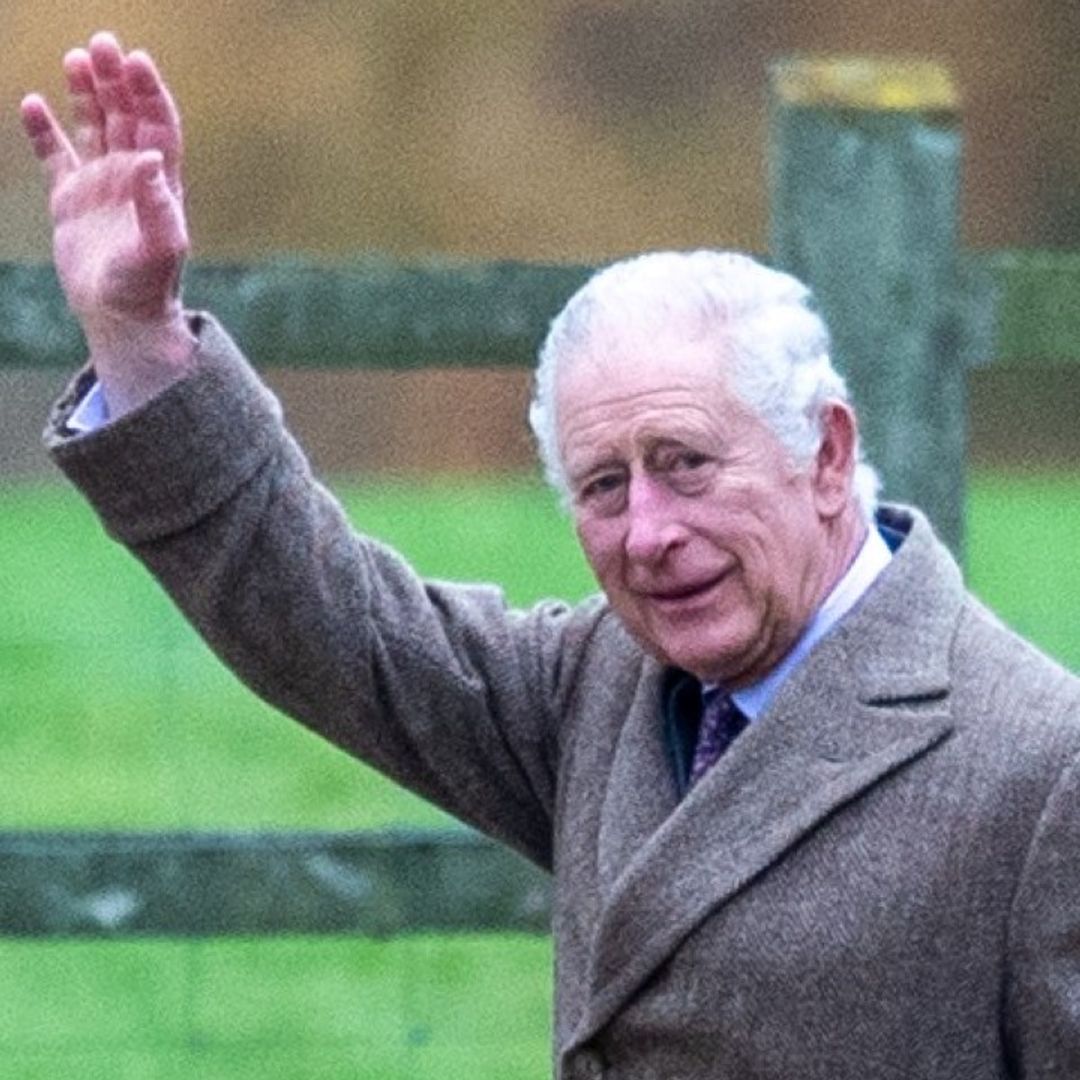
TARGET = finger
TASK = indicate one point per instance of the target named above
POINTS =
(159, 212)
(89, 134)
(157, 118)
(51, 146)
(107, 64)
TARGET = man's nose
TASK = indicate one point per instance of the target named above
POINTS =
(653, 527)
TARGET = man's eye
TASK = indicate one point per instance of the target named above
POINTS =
(603, 492)
(687, 460)
(601, 485)
(689, 472)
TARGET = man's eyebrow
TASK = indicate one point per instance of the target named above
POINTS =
(593, 466)
(687, 440)
(664, 442)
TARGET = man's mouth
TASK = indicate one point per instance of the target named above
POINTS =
(685, 591)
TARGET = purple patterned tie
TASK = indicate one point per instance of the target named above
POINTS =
(721, 722)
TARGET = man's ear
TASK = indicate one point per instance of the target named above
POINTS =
(834, 463)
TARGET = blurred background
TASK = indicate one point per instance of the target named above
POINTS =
(562, 131)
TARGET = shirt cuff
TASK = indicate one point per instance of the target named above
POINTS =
(91, 413)
(166, 465)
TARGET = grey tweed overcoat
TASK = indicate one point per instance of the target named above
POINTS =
(881, 879)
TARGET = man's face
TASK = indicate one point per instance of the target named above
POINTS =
(709, 542)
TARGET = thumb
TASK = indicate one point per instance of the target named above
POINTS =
(159, 213)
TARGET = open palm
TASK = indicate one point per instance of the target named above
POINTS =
(115, 193)
(119, 234)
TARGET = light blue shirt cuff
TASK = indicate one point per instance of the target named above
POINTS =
(91, 413)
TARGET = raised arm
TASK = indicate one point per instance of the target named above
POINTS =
(442, 687)
(119, 232)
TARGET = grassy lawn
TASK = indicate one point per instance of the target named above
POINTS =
(276, 1009)
(119, 717)
(115, 716)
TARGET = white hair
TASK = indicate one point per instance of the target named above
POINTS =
(762, 319)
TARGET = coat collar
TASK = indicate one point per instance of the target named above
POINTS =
(871, 697)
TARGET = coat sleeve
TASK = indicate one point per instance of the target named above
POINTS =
(442, 687)
(1042, 993)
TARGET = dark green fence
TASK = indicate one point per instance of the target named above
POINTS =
(80, 884)
(375, 314)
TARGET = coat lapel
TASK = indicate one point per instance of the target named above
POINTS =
(641, 793)
(871, 699)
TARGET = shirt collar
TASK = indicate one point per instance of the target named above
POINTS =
(91, 412)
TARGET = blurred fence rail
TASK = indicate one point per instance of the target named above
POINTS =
(292, 313)
(114, 884)
(1037, 306)
(377, 314)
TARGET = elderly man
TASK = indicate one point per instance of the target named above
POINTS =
(811, 811)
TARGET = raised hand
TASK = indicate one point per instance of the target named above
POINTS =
(119, 232)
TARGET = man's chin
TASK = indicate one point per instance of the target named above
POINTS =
(717, 662)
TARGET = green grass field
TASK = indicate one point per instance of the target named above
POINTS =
(114, 716)
(119, 717)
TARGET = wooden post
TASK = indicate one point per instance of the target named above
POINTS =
(864, 176)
